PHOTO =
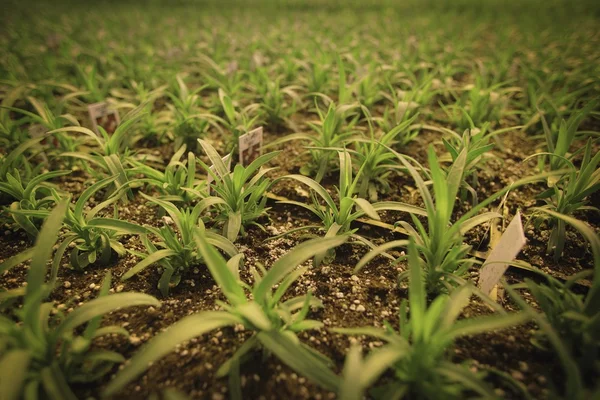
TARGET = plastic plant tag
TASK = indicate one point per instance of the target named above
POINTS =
(102, 115)
(209, 179)
(250, 146)
(510, 244)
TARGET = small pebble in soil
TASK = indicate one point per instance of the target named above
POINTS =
(67, 284)
(360, 308)
(518, 375)
(134, 340)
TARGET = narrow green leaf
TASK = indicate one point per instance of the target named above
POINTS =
(185, 329)
(292, 259)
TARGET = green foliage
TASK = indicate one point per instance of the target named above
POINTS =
(418, 354)
(89, 242)
(189, 123)
(376, 161)
(569, 194)
(236, 122)
(569, 321)
(479, 104)
(560, 143)
(27, 197)
(175, 250)
(337, 218)
(113, 154)
(178, 182)
(43, 347)
(332, 133)
(240, 196)
(49, 120)
(277, 103)
(18, 159)
(274, 322)
(443, 255)
(476, 143)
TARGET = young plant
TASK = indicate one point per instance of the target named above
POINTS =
(27, 197)
(569, 193)
(376, 161)
(368, 87)
(176, 250)
(444, 256)
(406, 105)
(331, 135)
(88, 240)
(479, 104)
(240, 196)
(45, 350)
(177, 183)
(12, 132)
(273, 321)
(50, 121)
(418, 354)
(274, 99)
(190, 123)
(237, 122)
(18, 159)
(569, 321)
(113, 153)
(559, 144)
(336, 219)
(476, 142)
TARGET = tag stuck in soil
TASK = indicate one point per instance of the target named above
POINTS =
(250, 146)
(102, 115)
(507, 248)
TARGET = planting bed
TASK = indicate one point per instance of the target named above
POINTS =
(511, 89)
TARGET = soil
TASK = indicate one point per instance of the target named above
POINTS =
(367, 299)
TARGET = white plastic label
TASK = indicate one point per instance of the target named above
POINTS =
(102, 115)
(250, 146)
(510, 244)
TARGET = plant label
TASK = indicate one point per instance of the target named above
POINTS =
(209, 179)
(250, 146)
(102, 115)
(509, 245)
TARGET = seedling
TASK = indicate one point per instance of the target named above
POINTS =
(239, 196)
(336, 219)
(274, 322)
(43, 350)
(175, 251)
(417, 354)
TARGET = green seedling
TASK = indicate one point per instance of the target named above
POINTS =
(44, 350)
(418, 354)
(274, 322)
(240, 196)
